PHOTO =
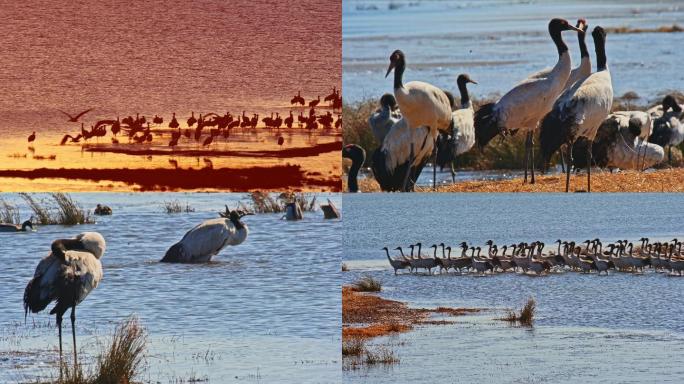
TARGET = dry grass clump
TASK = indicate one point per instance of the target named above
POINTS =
(9, 212)
(353, 346)
(367, 284)
(381, 355)
(175, 206)
(526, 315)
(263, 202)
(66, 211)
(120, 362)
(662, 29)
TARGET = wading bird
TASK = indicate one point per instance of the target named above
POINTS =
(207, 239)
(66, 276)
(26, 226)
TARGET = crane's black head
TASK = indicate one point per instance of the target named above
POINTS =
(599, 33)
(385, 249)
(355, 153)
(388, 101)
(464, 78)
(558, 25)
(397, 60)
(670, 102)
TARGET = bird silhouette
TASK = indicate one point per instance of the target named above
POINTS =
(32, 137)
(74, 119)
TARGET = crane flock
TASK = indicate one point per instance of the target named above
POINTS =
(207, 127)
(568, 108)
(530, 258)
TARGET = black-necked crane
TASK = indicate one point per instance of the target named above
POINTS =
(618, 144)
(67, 275)
(462, 136)
(382, 120)
(293, 211)
(668, 128)
(26, 226)
(192, 120)
(522, 108)
(421, 104)
(289, 120)
(32, 137)
(207, 239)
(357, 155)
(157, 119)
(583, 70)
(74, 119)
(298, 99)
(174, 122)
(398, 162)
(314, 103)
(74, 139)
(579, 111)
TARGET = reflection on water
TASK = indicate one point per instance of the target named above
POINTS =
(267, 309)
(588, 328)
(499, 48)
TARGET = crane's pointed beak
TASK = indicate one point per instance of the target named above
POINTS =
(389, 69)
(473, 81)
(575, 29)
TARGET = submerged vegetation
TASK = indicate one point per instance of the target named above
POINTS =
(175, 206)
(526, 315)
(262, 202)
(120, 361)
(63, 211)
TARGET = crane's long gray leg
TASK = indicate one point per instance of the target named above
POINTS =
(532, 156)
(562, 156)
(434, 168)
(568, 148)
(669, 154)
(527, 156)
(59, 327)
(73, 334)
(591, 143)
(453, 172)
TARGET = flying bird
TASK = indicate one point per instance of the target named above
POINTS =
(74, 119)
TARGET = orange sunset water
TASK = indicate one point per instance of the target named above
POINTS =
(213, 58)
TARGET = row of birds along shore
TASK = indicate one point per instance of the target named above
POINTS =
(586, 257)
(568, 109)
(73, 268)
(205, 128)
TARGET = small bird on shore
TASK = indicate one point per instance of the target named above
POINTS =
(32, 137)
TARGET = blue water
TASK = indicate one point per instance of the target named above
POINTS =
(500, 42)
(619, 328)
(266, 310)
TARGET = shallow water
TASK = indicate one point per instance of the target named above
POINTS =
(264, 311)
(624, 327)
(500, 42)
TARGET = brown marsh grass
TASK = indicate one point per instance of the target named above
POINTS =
(64, 210)
(367, 284)
(526, 315)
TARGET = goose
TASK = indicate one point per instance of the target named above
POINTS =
(396, 264)
(525, 105)
(398, 162)
(358, 156)
(26, 226)
(481, 266)
(382, 120)
(676, 264)
(668, 129)
(207, 239)
(579, 111)
(74, 119)
(421, 104)
(620, 143)
(67, 275)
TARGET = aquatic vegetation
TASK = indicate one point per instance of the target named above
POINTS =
(381, 355)
(367, 284)
(9, 212)
(353, 347)
(121, 361)
(175, 206)
(65, 210)
(662, 29)
(263, 202)
(526, 315)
